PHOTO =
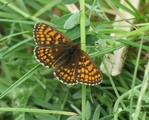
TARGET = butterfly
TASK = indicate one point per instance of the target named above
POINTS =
(71, 64)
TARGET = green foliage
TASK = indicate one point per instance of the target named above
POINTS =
(29, 91)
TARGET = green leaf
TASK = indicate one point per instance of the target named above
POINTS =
(96, 113)
(74, 118)
(72, 21)
(69, 1)
(76, 109)
(61, 21)
(88, 110)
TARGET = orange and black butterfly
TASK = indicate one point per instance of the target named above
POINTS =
(71, 64)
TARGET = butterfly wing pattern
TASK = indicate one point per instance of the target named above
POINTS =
(71, 64)
(50, 44)
(86, 71)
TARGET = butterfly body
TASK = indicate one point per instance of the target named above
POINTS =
(70, 52)
(71, 64)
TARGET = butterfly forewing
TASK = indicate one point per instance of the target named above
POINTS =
(51, 44)
(45, 35)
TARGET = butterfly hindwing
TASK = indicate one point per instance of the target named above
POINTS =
(86, 71)
(65, 73)
(48, 55)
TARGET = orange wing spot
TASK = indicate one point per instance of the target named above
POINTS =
(64, 40)
(48, 39)
(93, 78)
(49, 29)
(86, 71)
(56, 42)
(90, 67)
(90, 78)
(47, 42)
(47, 60)
(65, 69)
(99, 75)
(40, 50)
(49, 55)
(82, 70)
(52, 57)
(83, 57)
(68, 71)
(42, 43)
(41, 36)
(69, 78)
(44, 57)
(79, 71)
(41, 54)
(80, 63)
(65, 75)
(45, 32)
(61, 73)
(40, 32)
(82, 75)
(86, 77)
(96, 76)
(52, 33)
(56, 50)
(71, 73)
(58, 36)
(41, 27)
(46, 49)
(42, 39)
(95, 70)
(87, 62)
